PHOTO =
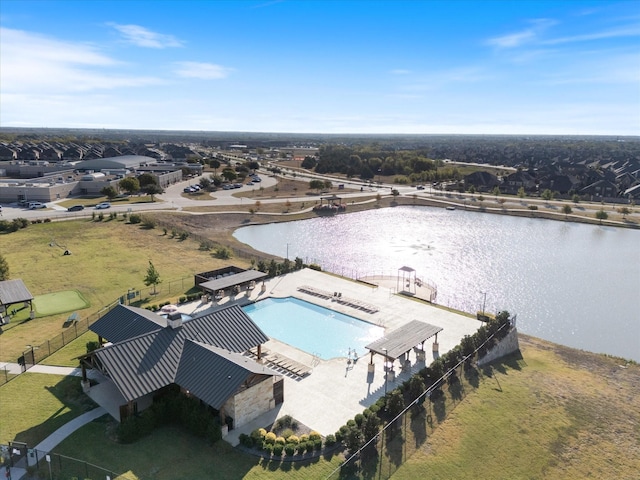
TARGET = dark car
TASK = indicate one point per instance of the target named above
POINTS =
(75, 208)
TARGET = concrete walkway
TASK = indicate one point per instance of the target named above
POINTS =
(68, 428)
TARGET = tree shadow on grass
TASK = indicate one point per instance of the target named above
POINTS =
(473, 377)
(419, 424)
(439, 405)
(455, 388)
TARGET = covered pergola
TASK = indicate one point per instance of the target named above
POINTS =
(331, 199)
(399, 343)
(246, 278)
(13, 292)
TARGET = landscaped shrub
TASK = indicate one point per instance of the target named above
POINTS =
(182, 299)
(223, 253)
(304, 438)
(293, 439)
(310, 446)
(281, 440)
(270, 438)
(313, 435)
(317, 444)
(359, 418)
(301, 448)
(135, 218)
(207, 245)
(268, 447)
(148, 222)
(286, 433)
(91, 346)
(314, 266)
(246, 440)
(277, 449)
(289, 449)
(330, 440)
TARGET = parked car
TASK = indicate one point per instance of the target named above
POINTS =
(420, 187)
(257, 179)
(188, 190)
(75, 208)
(103, 205)
(34, 205)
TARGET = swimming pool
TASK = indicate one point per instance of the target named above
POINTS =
(311, 328)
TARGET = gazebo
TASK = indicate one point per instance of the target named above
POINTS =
(13, 292)
(399, 343)
(408, 280)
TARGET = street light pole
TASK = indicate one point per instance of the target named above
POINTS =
(287, 251)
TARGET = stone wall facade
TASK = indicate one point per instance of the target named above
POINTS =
(251, 403)
(507, 345)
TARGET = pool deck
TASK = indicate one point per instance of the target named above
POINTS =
(337, 390)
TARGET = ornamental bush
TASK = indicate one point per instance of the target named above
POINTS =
(313, 435)
(330, 440)
(270, 438)
(289, 449)
(293, 439)
(277, 449)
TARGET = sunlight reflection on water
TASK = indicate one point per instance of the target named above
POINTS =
(565, 281)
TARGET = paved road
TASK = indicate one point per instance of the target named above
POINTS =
(173, 199)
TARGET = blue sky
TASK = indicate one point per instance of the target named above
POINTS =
(481, 67)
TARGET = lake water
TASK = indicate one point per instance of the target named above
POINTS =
(573, 284)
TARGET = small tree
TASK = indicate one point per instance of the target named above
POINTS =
(4, 269)
(109, 192)
(624, 211)
(575, 198)
(316, 185)
(130, 185)
(152, 278)
(521, 192)
(153, 189)
(566, 209)
(601, 215)
(547, 195)
(205, 183)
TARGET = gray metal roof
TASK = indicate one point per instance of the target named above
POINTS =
(145, 363)
(223, 376)
(231, 280)
(123, 322)
(14, 291)
(123, 161)
(403, 339)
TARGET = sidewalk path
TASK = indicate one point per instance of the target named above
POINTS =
(68, 428)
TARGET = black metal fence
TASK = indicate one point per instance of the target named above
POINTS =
(18, 458)
(403, 435)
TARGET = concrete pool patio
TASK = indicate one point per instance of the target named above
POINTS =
(337, 390)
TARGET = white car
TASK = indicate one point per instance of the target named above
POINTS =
(103, 205)
(34, 205)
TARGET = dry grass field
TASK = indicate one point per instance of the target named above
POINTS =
(107, 258)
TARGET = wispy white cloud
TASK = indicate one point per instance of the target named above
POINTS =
(400, 71)
(628, 31)
(205, 71)
(528, 35)
(33, 63)
(143, 37)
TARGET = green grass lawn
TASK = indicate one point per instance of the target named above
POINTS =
(59, 302)
(107, 259)
(67, 355)
(35, 405)
(171, 453)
